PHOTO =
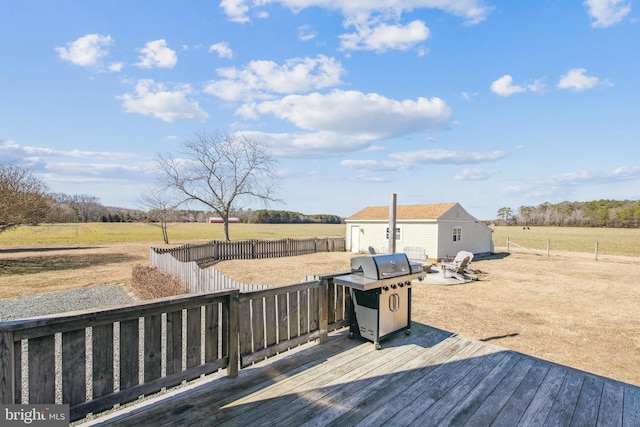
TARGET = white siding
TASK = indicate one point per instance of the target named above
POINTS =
(420, 234)
(476, 238)
(434, 236)
(371, 234)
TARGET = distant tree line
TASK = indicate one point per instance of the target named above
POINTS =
(65, 208)
(25, 200)
(596, 213)
(287, 217)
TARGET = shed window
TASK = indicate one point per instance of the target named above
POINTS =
(456, 234)
(398, 235)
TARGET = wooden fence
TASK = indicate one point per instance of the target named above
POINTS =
(511, 243)
(198, 277)
(95, 359)
(192, 264)
(219, 250)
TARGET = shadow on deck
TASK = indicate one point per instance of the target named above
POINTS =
(430, 377)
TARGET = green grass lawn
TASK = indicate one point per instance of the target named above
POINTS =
(179, 233)
(611, 241)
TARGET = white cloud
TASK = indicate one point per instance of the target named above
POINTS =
(372, 116)
(441, 156)
(86, 51)
(605, 13)
(153, 99)
(75, 166)
(566, 185)
(473, 11)
(374, 165)
(469, 174)
(157, 54)
(468, 96)
(115, 66)
(378, 23)
(12, 149)
(622, 173)
(222, 49)
(626, 172)
(306, 33)
(236, 10)
(402, 161)
(106, 171)
(576, 80)
(262, 79)
(537, 86)
(383, 37)
(504, 86)
(309, 144)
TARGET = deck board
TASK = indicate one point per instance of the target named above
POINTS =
(518, 402)
(430, 377)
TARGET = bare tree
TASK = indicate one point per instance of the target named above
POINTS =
(161, 210)
(88, 207)
(23, 198)
(221, 171)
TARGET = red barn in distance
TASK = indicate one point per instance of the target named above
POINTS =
(218, 220)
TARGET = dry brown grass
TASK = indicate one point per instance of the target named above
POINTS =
(568, 308)
(149, 283)
(26, 270)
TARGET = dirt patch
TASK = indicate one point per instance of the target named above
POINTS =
(284, 271)
(569, 309)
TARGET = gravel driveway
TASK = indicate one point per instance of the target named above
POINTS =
(98, 296)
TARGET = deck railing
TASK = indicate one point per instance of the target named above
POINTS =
(93, 360)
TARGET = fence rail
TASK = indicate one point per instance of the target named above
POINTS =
(199, 278)
(95, 359)
(193, 264)
(219, 250)
(511, 243)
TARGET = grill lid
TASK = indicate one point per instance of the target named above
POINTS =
(375, 271)
(378, 267)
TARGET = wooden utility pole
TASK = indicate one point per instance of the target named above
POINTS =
(392, 224)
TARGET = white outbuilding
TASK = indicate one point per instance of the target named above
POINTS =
(433, 231)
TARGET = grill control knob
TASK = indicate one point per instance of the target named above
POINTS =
(401, 284)
(393, 286)
(386, 288)
(407, 283)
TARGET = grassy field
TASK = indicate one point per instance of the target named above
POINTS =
(179, 233)
(611, 241)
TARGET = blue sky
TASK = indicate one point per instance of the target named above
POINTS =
(487, 103)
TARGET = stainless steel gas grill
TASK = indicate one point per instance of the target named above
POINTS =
(380, 289)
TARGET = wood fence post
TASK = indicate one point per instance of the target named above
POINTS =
(596, 250)
(507, 244)
(7, 365)
(323, 315)
(233, 331)
(548, 247)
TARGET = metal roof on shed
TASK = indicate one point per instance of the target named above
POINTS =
(403, 212)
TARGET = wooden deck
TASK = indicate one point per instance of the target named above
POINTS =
(430, 377)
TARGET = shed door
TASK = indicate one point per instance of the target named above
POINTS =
(355, 239)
